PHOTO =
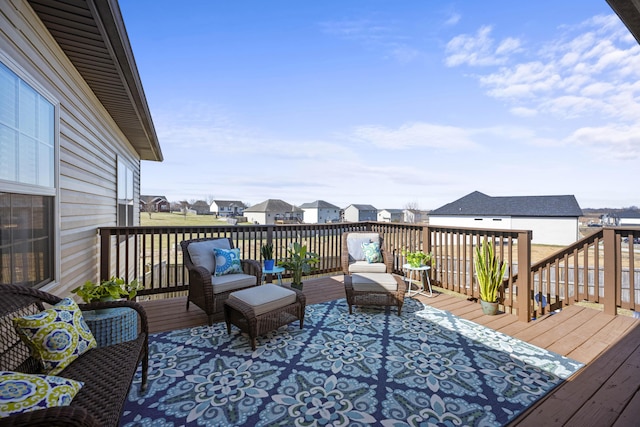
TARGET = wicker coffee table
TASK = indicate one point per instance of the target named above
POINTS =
(265, 308)
(380, 289)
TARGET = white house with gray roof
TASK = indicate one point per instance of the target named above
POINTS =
(320, 212)
(226, 208)
(552, 219)
(273, 211)
(356, 213)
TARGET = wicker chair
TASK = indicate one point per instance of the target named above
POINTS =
(107, 372)
(352, 256)
(207, 291)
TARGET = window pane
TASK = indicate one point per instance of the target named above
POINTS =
(8, 97)
(8, 139)
(27, 166)
(27, 123)
(27, 110)
(26, 239)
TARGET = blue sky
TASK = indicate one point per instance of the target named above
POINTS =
(389, 103)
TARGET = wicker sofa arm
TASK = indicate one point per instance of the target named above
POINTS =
(57, 416)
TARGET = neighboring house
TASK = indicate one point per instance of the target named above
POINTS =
(273, 211)
(628, 218)
(227, 208)
(390, 215)
(200, 207)
(552, 219)
(154, 204)
(69, 85)
(320, 212)
(412, 216)
(356, 213)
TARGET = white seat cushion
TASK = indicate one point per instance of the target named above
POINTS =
(365, 267)
(374, 282)
(265, 298)
(229, 282)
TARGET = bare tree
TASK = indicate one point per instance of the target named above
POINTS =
(413, 207)
(148, 208)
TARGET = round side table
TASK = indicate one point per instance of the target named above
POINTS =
(423, 271)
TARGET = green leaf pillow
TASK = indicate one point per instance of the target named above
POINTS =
(26, 392)
(227, 261)
(372, 252)
(56, 336)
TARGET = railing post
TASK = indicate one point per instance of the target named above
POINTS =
(105, 253)
(610, 276)
(524, 276)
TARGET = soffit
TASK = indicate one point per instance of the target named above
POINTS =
(93, 36)
(629, 13)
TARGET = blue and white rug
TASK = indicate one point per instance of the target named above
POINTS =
(427, 367)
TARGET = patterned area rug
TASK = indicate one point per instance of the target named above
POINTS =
(371, 368)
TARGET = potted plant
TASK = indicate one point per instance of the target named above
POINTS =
(490, 275)
(299, 262)
(107, 290)
(267, 254)
(418, 258)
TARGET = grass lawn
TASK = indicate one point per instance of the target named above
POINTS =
(164, 219)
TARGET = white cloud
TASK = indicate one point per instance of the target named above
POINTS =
(453, 19)
(413, 135)
(523, 112)
(479, 50)
(590, 70)
(612, 141)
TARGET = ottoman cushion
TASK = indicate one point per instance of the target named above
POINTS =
(265, 298)
(374, 282)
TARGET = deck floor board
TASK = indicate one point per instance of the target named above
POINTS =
(606, 390)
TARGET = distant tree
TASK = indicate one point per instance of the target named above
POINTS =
(246, 204)
(148, 208)
(184, 206)
(210, 198)
(412, 205)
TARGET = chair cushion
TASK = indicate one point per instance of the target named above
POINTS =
(230, 282)
(265, 298)
(201, 253)
(21, 392)
(56, 336)
(372, 252)
(227, 261)
(374, 282)
(355, 241)
(365, 267)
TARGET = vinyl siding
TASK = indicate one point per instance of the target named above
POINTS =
(89, 145)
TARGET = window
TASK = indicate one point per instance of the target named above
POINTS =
(27, 180)
(125, 194)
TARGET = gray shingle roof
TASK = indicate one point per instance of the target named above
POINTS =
(364, 207)
(318, 204)
(273, 205)
(477, 203)
(227, 203)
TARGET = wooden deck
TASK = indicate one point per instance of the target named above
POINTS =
(606, 392)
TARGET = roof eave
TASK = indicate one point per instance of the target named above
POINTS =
(629, 13)
(133, 117)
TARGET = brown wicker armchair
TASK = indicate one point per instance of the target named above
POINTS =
(107, 372)
(206, 290)
(353, 258)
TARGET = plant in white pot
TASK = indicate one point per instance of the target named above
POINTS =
(299, 262)
(490, 275)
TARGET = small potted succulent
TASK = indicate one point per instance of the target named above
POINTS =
(267, 255)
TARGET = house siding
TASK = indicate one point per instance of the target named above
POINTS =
(90, 144)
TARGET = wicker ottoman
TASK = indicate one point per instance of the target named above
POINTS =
(263, 308)
(382, 289)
